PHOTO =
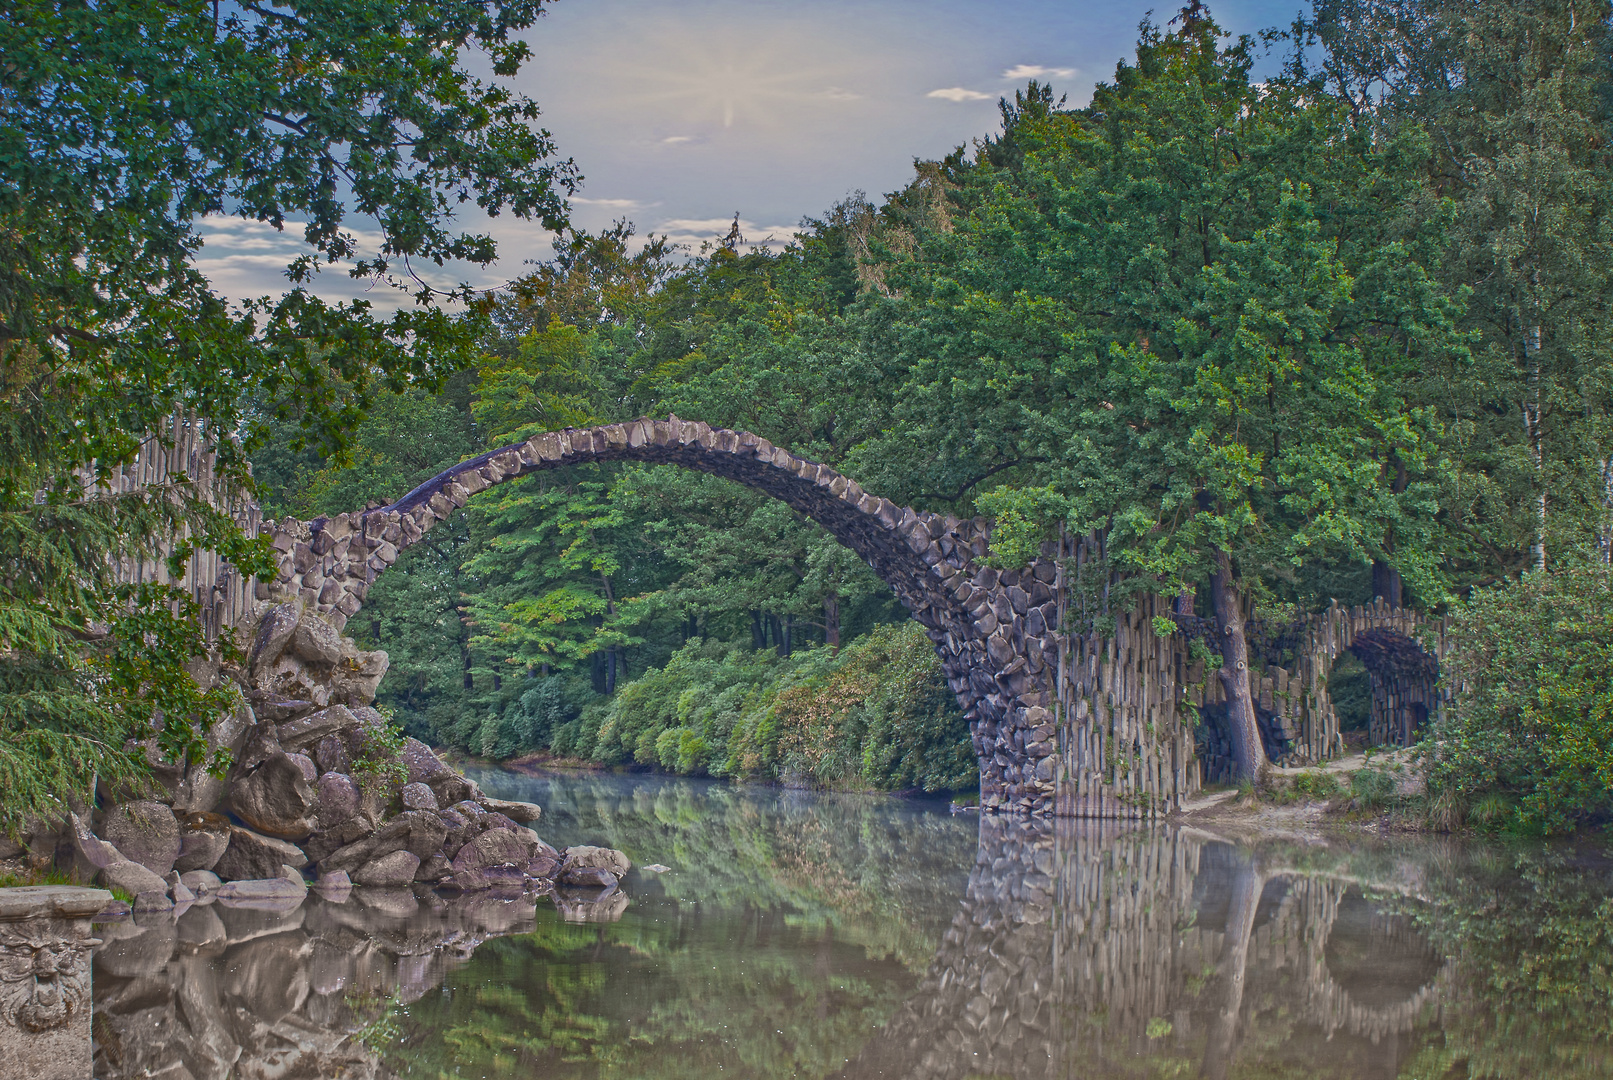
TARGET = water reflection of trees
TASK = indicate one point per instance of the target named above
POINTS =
(1081, 950)
(808, 936)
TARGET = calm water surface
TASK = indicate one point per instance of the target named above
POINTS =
(800, 935)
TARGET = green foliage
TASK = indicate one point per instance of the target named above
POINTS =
(877, 715)
(378, 766)
(1533, 719)
(1372, 788)
(121, 125)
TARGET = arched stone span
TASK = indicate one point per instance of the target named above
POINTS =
(984, 623)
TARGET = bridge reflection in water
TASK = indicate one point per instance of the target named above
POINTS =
(1083, 949)
(1078, 949)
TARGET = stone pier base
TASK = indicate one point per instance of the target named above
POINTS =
(45, 947)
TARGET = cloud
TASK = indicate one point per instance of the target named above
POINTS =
(1037, 71)
(958, 93)
(692, 232)
(673, 140)
(839, 93)
(614, 204)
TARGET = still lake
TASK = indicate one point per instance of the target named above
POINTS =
(798, 934)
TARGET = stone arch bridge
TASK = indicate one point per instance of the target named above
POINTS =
(1076, 724)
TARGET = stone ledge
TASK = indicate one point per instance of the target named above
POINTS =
(51, 902)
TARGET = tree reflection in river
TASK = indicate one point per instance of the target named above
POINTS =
(801, 935)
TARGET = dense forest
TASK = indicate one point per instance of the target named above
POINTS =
(1319, 314)
(1334, 332)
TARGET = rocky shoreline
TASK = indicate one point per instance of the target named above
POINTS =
(305, 786)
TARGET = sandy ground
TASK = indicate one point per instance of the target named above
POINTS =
(1306, 817)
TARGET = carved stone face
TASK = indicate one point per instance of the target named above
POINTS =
(44, 979)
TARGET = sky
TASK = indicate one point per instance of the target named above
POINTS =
(681, 113)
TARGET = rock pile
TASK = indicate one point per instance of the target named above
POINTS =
(305, 782)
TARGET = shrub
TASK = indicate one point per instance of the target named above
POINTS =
(1372, 788)
(1530, 737)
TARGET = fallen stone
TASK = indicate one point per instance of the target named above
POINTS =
(656, 868)
(203, 838)
(91, 853)
(275, 629)
(316, 641)
(252, 856)
(177, 889)
(336, 879)
(395, 869)
(201, 883)
(418, 796)
(602, 857)
(336, 800)
(355, 679)
(145, 832)
(306, 764)
(275, 889)
(522, 812)
(315, 727)
(132, 878)
(331, 755)
(323, 844)
(587, 876)
(423, 764)
(275, 799)
(435, 868)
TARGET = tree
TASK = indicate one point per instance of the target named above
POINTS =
(122, 124)
(1182, 317)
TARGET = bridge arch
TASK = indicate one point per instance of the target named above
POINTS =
(979, 619)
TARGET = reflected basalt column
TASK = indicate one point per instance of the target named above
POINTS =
(1064, 949)
(251, 994)
(1085, 950)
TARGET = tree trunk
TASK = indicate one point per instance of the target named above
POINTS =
(758, 633)
(1248, 753)
(785, 639)
(610, 670)
(1386, 583)
(831, 622)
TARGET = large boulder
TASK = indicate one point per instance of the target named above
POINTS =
(417, 797)
(203, 787)
(316, 642)
(275, 629)
(149, 890)
(288, 885)
(275, 798)
(394, 869)
(422, 762)
(252, 855)
(358, 674)
(419, 832)
(604, 857)
(337, 799)
(331, 755)
(496, 857)
(308, 730)
(520, 812)
(203, 839)
(145, 832)
(324, 843)
(583, 865)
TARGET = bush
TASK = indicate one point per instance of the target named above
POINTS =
(1530, 737)
(1372, 788)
